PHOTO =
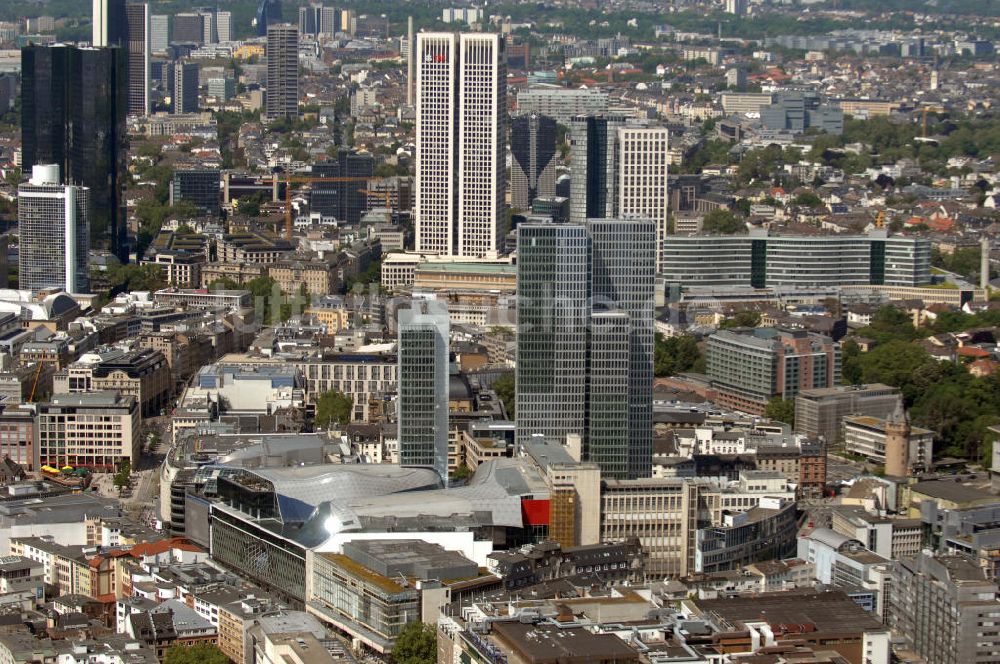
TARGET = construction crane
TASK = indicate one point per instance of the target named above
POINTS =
(289, 180)
(34, 384)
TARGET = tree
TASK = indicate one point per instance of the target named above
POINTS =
(675, 355)
(722, 222)
(850, 364)
(808, 199)
(333, 406)
(199, 653)
(741, 319)
(782, 410)
(416, 644)
(504, 387)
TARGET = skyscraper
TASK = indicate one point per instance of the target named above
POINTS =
(593, 156)
(585, 339)
(189, 28)
(619, 170)
(224, 26)
(209, 31)
(54, 234)
(533, 152)
(553, 308)
(622, 272)
(642, 178)
(461, 106)
(185, 93)
(74, 101)
(138, 58)
(268, 13)
(282, 71)
(159, 33)
(109, 23)
(344, 200)
(423, 386)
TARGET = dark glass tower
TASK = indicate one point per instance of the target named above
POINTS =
(74, 101)
(347, 201)
(533, 150)
(268, 12)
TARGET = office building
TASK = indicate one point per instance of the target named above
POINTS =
(572, 278)
(199, 186)
(282, 71)
(96, 430)
(209, 31)
(737, 7)
(109, 24)
(159, 33)
(819, 413)
(184, 96)
(143, 374)
(268, 13)
(622, 271)
(750, 366)
(593, 153)
(553, 286)
(461, 104)
(900, 449)
(347, 201)
(138, 58)
(760, 260)
(562, 104)
(189, 28)
(54, 232)
(316, 19)
(222, 89)
(224, 26)
(945, 608)
(533, 152)
(423, 387)
(642, 178)
(73, 108)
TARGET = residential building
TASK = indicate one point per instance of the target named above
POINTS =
(74, 101)
(54, 224)
(533, 153)
(282, 70)
(95, 430)
(759, 260)
(461, 145)
(423, 386)
(945, 608)
(750, 366)
(819, 413)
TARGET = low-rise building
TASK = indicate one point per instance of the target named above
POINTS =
(865, 435)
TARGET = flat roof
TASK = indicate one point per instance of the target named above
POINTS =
(949, 489)
(831, 611)
(542, 644)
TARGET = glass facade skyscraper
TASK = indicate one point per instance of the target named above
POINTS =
(585, 339)
(74, 101)
(533, 153)
(423, 387)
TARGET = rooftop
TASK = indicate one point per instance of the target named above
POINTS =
(831, 611)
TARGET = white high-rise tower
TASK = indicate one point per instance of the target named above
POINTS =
(55, 233)
(461, 110)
